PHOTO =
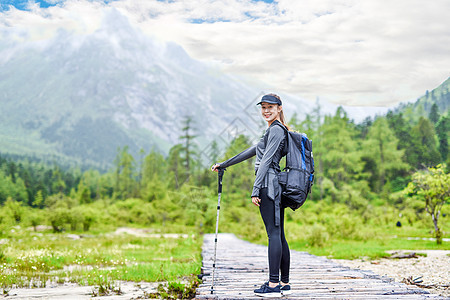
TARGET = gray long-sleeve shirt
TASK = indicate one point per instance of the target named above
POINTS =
(267, 156)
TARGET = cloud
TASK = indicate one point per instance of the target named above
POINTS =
(346, 51)
(37, 23)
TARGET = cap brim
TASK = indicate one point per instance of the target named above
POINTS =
(267, 101)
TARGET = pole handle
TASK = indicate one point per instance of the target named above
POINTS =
(221, 172)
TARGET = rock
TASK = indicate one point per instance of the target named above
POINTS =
(73, 236)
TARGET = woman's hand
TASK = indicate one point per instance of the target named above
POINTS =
(215, 168)
(256, 200)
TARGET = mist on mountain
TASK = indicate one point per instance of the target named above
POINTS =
(81, 96)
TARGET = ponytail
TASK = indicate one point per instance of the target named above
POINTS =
(282, 119)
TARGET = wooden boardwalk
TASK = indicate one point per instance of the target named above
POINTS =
(242, 266)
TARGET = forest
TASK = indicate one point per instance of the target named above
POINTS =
(361, 182)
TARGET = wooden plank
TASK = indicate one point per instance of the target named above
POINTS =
(242, 266)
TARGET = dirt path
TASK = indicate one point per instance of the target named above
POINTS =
(434, 269)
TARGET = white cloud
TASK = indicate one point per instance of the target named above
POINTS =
(347, 51)
(43, 23)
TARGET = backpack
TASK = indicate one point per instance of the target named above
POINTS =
(298, 178)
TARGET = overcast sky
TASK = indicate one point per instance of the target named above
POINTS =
(366, 52)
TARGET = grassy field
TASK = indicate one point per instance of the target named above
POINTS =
(29, 259)
(371, 249)
(347, 240)
(101, 258)
(365, 242)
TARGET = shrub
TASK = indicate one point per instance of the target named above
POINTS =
(35, 218)
(90, 217)
(60, 200)
(58, 217)
(14, 209)
(75, 216)
(317, 236)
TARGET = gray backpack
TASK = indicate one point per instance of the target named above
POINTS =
(298, 177)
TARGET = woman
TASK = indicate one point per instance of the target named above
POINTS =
(266, 193)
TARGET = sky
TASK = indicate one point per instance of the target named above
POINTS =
(363, 53)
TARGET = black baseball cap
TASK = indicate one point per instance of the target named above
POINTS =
(270, 99)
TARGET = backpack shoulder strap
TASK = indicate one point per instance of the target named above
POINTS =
(286, 131)
(279, 124)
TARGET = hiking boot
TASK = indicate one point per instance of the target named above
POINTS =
(266, 291)
(285, 290)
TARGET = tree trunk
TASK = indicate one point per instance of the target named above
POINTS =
(437, 230)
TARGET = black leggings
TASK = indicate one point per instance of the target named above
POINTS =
(279, 256)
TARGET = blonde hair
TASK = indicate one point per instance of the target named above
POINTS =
(282, 118)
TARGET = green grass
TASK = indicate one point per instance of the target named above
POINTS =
(363, 242)
(30, 260)
(370, 249)
(349, 241)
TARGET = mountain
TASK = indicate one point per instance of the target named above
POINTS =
(84, 96)
(422, 106)
(79, 97)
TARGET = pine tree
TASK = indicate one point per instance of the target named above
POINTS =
(83, 194)
(155, 183)
(443, 131)
(402, 131)
(154, 164)
(339, 149)
(141, 170)
(125, 174)
(434, 114)
(381, 147)
(58, 184)
(175, 166)
(38, 200)
(364, 126)
(425, 144)
(187, 149)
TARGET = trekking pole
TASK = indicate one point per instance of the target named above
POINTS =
(221, 171)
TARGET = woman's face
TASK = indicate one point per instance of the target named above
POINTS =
(270, 112)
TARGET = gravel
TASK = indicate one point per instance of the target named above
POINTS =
(434, 269)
